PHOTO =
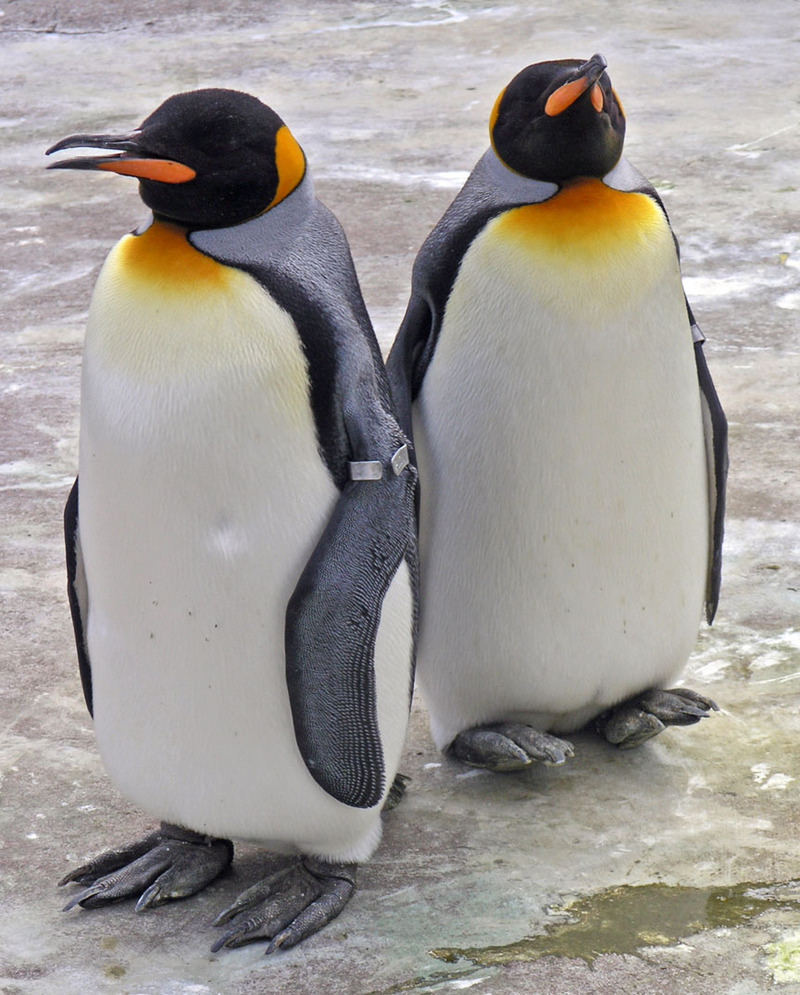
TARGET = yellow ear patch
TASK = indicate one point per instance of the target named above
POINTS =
(494, 115)
(496, 110)
(290, 163)
(163, 258)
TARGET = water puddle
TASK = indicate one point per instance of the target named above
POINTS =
(623, 920)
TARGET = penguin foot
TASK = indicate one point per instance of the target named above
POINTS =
(396, 792)
(289, 906)
(170, 863)
(635, 721)
(506, 746)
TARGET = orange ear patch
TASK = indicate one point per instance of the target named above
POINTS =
(163, 170)
(290, 163)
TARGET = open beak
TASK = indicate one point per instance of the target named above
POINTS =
(133, 160)
(586, 77)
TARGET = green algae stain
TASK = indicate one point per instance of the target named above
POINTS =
(783, 959)
(623, 920)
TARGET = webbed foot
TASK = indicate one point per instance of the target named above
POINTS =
(646, 715)
(507, 746)
(289, 906)
(170, 863)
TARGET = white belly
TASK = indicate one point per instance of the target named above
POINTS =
(202, 495)
(564, 497)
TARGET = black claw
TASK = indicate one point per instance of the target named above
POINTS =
(701, 700)
(83, 897)
(247, 931)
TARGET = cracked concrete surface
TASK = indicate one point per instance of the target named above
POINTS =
(390, 101)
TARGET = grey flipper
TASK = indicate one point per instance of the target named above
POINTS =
(715, 427)
(490, 190)
(299, 253)
(77, 591)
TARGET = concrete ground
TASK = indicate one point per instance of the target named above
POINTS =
(672, 868)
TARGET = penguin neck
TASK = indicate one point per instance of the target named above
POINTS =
(626, 178)
(514, 185)
(525, 190)
(296, 201)
(276, 227)
(589, 220)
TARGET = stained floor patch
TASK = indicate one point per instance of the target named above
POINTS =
(626, 919)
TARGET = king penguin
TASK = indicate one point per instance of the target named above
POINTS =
(571, 446)
(240, 541)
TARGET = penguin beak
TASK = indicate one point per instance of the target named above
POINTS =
(133, 161)
(586, 77)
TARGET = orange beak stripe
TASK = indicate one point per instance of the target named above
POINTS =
(163, 170)
(565, 96)
(596, 96)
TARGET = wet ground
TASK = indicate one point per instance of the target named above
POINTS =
(671, 868)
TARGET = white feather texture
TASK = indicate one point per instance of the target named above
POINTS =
(202, 494)
(564, 494)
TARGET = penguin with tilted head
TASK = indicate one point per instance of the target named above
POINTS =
(241, 541)
(571, 447)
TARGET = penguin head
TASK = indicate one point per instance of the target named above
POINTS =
(204, 159)
(559, 120)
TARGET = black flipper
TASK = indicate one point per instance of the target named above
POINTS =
(490, 190)
(715, 427)
(331, 624)
(410, 356)
(76, 590)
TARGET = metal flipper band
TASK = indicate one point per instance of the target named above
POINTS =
(697, 335)
(373, 469)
